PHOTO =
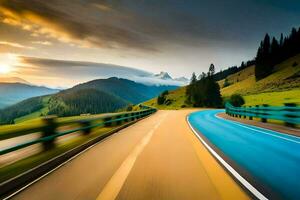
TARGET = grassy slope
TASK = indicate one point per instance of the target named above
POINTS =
(47, 105)
(176, 96)
(36, 114)
(275, 89)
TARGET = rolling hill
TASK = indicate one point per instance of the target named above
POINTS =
(12, 93)
(92, 101)
(125, 89)
(282, 86)
(97, 96)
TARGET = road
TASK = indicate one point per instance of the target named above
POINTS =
(269, 159)
(156, 158)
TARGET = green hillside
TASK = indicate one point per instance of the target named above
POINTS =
(65, 103)
(97, 96)
(127, 90)
(175, 97)
(282, 86)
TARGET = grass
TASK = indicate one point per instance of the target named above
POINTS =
(283, 79)
(239, 76)
(273, 98)
(36, 114)
(177, 98)
(33, 115)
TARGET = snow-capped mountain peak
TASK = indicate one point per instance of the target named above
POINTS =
(163, 75)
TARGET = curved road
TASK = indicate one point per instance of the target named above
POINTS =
(268, 159)
(156, 158)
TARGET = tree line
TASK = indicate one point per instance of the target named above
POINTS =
(273, 51)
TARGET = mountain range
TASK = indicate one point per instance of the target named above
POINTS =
(178, 81)
(96, 96)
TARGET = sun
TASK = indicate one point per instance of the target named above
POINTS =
(4, 69)
(7, 63)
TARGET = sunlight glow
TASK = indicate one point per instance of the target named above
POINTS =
(7, 63)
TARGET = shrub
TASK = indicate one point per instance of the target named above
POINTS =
(226, 83)
(168, 102)
(295, 64)
(161, 99)
(237, 100)
(129, 107)
(166, 92)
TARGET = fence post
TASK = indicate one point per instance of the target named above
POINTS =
(250, 117)
(119, 121)
(48, 130)
(106, 124)
(84, 124)
(125, 116)
(264, 120)
(289, 108)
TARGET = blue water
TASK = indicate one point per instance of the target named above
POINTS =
(271, 158)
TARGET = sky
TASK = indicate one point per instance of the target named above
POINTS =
(61, 43)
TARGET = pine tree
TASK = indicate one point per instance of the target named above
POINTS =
(211, 70)
(194, 78)
(264, 65)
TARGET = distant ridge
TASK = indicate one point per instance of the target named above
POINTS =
(13, 80)
(12, 93)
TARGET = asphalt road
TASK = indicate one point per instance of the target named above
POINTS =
(268, 159)
(156, 158)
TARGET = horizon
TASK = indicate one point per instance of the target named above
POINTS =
(176, 38)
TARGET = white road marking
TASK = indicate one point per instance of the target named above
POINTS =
(115, 184)
(278, 136)
(243, 181)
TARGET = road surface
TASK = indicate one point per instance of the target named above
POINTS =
(269, 159)
(156, 158)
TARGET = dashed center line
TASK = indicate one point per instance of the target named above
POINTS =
(114, 185)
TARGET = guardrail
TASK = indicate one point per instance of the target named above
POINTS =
(289, 113)
(49, 129)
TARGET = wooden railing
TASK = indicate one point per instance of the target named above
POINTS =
(289, 113)
(50, 126)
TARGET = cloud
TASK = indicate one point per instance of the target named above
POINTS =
(74, 72)
(140, 25)
(15, 45)
(46, 43)
(85, 24)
